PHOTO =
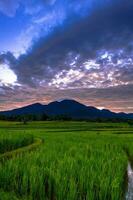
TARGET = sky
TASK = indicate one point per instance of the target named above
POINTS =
(66, 49)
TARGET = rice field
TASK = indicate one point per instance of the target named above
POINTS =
(76, 161)
(13, 141)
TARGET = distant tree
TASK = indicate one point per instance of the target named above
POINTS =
(24, 119)
(130, 122)
(44, 117)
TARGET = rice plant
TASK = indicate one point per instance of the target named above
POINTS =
(69, 165)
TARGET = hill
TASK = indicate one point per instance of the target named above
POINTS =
(70, 108)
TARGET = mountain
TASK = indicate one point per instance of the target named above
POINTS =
(70, 108)
(36, 108)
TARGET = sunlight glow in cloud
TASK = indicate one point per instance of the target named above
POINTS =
(7, 76)
(64, 78)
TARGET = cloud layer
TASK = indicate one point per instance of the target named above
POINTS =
(84, 55)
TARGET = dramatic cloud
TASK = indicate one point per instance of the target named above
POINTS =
(118, 98)
(97, 50)
(72, 49)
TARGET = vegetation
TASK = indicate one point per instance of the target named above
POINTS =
(77, 161)
(21, 150)
(44, 117)
(10, 141)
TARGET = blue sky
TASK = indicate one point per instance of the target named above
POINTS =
(10, 29)
(56, 49)
(30, 21)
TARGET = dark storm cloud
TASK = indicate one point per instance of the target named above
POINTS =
(109, 27)
(7, 58)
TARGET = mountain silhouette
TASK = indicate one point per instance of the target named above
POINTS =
(70, 108)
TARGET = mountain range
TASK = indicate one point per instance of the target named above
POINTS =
(70, 108)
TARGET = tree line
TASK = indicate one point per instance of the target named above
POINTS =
(44, 117)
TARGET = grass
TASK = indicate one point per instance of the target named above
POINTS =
(77, 161)
(21, 150)
(13, 141)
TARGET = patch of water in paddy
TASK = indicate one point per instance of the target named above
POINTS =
(129, 194)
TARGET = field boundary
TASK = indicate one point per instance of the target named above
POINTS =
(21, 150)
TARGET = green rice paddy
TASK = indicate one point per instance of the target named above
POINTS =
(75, 161)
